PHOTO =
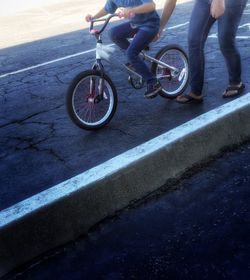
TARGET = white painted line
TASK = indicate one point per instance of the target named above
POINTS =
(119, 162)
(244, 25)
(215, 36)
(177, 26)
(243, 37)
(63, 58)
(45, 63)
(92, 50)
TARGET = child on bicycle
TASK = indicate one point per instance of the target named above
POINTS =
(143, 26)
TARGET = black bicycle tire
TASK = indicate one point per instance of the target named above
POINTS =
(70, 93)
(154, 66)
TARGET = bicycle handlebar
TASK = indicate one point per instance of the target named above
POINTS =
(106, 21)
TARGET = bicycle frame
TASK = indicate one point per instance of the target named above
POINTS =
(92, 96)
(105, 52)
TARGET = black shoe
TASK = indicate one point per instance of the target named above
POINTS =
(152, 90)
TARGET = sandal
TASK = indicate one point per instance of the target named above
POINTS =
(188, 99)
(232, 91)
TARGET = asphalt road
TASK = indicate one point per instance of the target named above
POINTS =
(199, 230)
(39, 146)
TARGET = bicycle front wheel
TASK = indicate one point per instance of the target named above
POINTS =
(173, 82)
(91, 100)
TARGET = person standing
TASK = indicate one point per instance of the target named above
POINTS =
(205, 12)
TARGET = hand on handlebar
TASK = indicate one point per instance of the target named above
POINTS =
(121, 13)
(88, 18)
(126, 13)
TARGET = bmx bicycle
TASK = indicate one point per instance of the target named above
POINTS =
(92, 97)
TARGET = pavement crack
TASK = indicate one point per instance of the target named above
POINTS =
(29, 144)
(24, 119)
(59, 80)
(3, 94)
(55, 155)
(121, 131)
(21, 121)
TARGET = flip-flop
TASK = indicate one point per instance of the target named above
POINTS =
(236, 89)
(187, 99)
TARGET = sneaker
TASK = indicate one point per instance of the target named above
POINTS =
(152, 90)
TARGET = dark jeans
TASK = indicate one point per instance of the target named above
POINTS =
(120, 35)
(200, 24)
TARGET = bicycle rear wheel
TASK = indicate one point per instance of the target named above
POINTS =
(91, 100)
(173, 82)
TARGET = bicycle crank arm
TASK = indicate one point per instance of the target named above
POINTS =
(163, 77)
(131, 71)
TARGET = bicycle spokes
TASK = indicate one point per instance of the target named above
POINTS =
(164, 73)
(92, 100)
(173, 79)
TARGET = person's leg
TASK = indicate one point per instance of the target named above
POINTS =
(120, 34)
(227, 29)
(140, 41)
(199, 27)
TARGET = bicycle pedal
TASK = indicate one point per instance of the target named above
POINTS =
(135, 82)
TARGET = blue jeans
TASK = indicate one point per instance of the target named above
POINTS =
(200, 24)
(120, 35)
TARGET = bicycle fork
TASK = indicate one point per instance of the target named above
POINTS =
(100, 94)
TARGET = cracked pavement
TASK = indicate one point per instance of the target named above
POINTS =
(40, 147)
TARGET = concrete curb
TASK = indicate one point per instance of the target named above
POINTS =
(65, 211)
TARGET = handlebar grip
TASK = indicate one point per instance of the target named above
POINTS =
(131, 14)
(106, 21)
(88, 18)
(94, 31)
(120, 14)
